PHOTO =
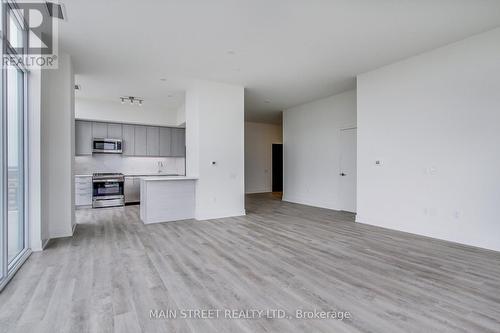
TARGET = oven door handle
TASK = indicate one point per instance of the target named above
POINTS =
(107, 181)
(107, 197)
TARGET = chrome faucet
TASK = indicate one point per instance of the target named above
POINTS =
(160, 166)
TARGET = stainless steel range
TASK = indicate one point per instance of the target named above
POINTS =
(108, 190)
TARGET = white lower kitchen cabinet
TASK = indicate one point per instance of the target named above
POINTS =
(83, 191)
(165, 199)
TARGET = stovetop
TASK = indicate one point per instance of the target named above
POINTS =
(99, 174)
(107, 175)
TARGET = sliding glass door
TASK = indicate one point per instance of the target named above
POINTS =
(13, 149)
(15, 163)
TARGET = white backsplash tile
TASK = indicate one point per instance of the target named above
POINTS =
(128, 165)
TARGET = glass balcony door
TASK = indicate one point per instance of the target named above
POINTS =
(15, 164)
(14, 245)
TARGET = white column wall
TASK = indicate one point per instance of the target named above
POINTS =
(57, 149)
(215, 148)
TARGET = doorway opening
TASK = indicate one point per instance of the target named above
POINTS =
(277, 170)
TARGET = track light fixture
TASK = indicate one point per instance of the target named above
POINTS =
(133, 100)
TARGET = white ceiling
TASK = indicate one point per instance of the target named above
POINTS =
(284, 52)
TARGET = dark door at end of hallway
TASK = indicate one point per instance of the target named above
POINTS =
(277, 167)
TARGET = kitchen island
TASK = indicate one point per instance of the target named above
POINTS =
(165, 199)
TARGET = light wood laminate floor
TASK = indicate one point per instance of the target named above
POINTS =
(280, 256)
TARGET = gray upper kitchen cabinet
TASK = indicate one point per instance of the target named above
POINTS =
(115, 131)
(83, 137)
(128, 140)
(140, 143)
(178, 142)
(165, 141)
(137, 140)
(99, 130)
(153, 141)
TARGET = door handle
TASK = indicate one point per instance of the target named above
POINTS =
(343, 174)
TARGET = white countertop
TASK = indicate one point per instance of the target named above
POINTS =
(167, 178)
(151, 175)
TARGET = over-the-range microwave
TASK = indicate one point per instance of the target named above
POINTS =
(109, 146)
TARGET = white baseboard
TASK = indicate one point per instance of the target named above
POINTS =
(306, 202)
(375, 223)
(62, 235)
(257, 192)
(203, 217)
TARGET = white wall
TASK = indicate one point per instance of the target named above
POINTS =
(57, 149)
(311, 149)
(115, 111)
(215, 133)
(259, 138)
(434, 121)
(181, 115)
(39, 233)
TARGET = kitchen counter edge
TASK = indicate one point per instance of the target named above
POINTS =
(167, 178)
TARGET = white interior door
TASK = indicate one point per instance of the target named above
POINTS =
(347, 172)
